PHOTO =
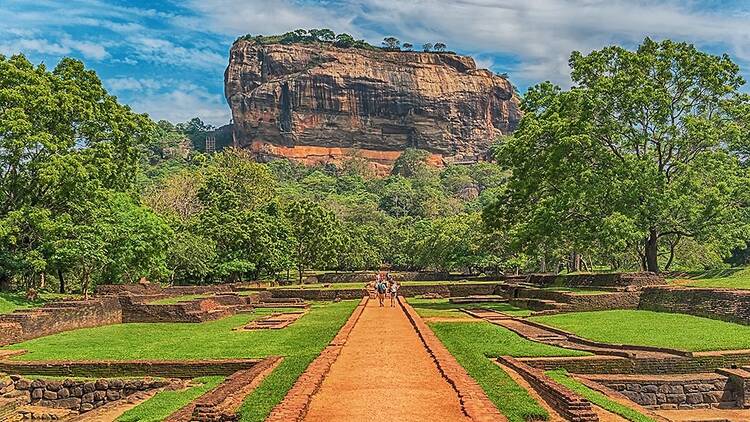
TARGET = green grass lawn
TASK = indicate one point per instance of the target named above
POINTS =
(731, 278)
(598, 398)
(9, 302)
(472, 344)
(299, 343)
(173, 300)
(677, 331)
(430, 308)
(164, 403)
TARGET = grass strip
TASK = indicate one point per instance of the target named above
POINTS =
(659, 329)
(164, 403)
(599, 399)
(472, 344)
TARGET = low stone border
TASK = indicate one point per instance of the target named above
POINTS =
(295, 404)
(567, 403)
(132, 368)
(670, 392)
(607, 365)
(78, 395)
(474, 402)
(221, 403)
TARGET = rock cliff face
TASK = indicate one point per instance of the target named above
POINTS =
(320, 103)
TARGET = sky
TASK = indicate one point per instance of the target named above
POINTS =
(167, 58)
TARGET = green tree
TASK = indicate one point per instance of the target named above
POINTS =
(315, 235)
(408, 46)
(636, 151)
(439, 46)
(391, 43)
(427, 47)
(410, 163)
(63, 141)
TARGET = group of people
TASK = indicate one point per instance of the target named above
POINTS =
(383, 285)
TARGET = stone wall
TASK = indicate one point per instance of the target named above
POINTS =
(156, 289)
(367, 276)
(137, 368)
(78, 395)
(444, 290)
(722, 304)
(597, 279)
(197, 310)
(57, 317)
(697, 391)
(566, 402)
(677, 365)
(579, 302)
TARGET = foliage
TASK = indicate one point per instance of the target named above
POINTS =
(638, 156)
(68, 153)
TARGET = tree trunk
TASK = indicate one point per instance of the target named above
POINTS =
(42, 280)
(652, 262)
(62, 280)
(543, 264)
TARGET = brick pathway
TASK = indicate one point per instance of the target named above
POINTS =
(383, 373)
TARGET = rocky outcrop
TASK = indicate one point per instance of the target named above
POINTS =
(319, 103)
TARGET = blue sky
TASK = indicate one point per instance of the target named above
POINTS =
(167, 58)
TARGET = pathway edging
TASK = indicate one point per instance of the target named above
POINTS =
(474, 402)
(295, 404)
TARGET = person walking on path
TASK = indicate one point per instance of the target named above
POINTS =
(381, 288)
(393, 291)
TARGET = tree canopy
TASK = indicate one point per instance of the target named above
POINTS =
(638, 155)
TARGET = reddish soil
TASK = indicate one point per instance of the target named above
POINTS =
(384, 373)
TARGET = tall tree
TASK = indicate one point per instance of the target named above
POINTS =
(315, 233)
(636, 153)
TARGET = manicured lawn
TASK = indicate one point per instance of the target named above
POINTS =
(677, 331)
(598, 398)
(472, 344)
(173, 300)
(163, 404)
(733, 278)
(430, 308)
(299, 343)
(9, 302)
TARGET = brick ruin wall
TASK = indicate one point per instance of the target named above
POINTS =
(366, 276)
(57, 317)
(722, 304)
(698, 391)
(78, 395)
(197, 310)
(579, 302)
(566, 402)
(597, 279)
(137, 368)
(444, 290)
(677, 365)
(66, 315)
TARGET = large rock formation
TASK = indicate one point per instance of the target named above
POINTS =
(319, 103)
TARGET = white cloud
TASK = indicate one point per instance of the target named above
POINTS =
(159, 50)
(133, 84)
(182, 104)
(540, 34)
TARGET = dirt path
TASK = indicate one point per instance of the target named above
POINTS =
(384, 373)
